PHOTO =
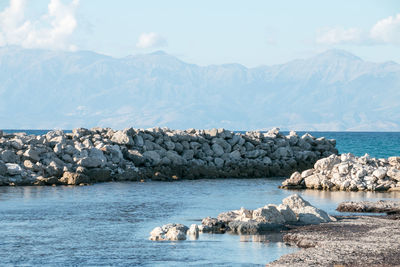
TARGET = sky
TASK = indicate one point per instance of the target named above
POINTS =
(252, 33)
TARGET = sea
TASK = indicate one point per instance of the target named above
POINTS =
(108, 224)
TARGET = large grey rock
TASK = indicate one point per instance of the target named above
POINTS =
(235, 155)
(152, 156)
(122, 138)
(136, 157)
(32, 154)
(8, 156)
(175, 234)
(13, 169)
(305, 212)
(174, 158)
(268, 214)
(171, 232)
(90, 162)
(287, 213)
(218, 150)
(138, 140)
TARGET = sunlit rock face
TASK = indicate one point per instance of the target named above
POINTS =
(103, 154)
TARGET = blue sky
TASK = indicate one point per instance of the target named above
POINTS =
(207, 32)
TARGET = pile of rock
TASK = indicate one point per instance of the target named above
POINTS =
(174, 232)
(103, 154)
(294, 210)
(349, 173)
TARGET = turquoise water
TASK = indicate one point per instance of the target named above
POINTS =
(108, 224)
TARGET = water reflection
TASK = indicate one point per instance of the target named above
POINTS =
(79, 225)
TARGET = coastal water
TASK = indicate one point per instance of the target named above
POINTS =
(109, 223)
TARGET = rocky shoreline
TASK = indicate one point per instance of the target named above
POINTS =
(350, 241)
(102, 154)
(349, 173)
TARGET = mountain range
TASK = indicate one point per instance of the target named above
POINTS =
(332, 91)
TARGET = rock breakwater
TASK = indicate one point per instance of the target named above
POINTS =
(349, 173)
(102, 154)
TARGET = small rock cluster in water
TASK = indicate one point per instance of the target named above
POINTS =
(293, 210)
(102, 154)
(349, 173)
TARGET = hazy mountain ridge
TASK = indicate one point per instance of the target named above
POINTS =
(334, 90)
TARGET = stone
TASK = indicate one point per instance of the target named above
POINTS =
(152, 157)
(138, 140)
(287, 213)
(89, 162)
(174, 158)
(74, 178)
(305, 212)
(268, 214)
(17, 144)
(193, 231)
(136, 157)
(314, 181)
(13, 169)
(235, 155)
(294, 180)
(32, 154)
(394, 174)
(188, 154)
(175, 234)
(380, 173)
(8, 156)
(219, 163)
(122, 138)
(217, 149)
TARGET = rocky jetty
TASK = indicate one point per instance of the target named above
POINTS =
(349, 173)
(102, 154)
(294, 210)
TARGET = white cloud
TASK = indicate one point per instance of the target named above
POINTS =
(151, 40)
(385, 31)
(52, 30)
(339, 35)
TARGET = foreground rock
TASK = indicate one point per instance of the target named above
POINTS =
(382, 206)
(102, 154)
(294, 210)
(349, 173)
(351, 241)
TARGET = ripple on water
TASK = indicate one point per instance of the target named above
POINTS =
(108, 224)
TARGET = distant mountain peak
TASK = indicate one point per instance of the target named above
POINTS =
(338, 54)
(159, 53)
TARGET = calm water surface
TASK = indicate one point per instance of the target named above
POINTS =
(109, 224)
